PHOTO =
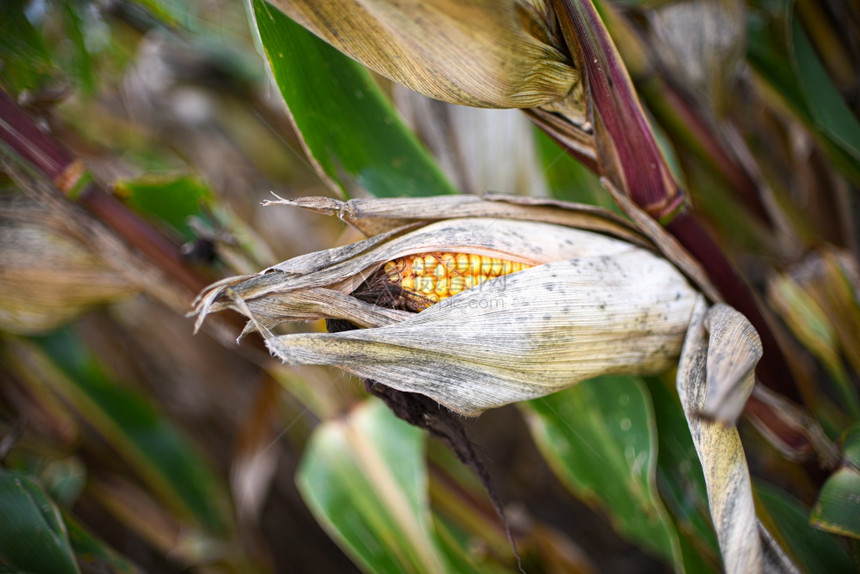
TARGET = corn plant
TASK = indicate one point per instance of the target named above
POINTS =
(609, 244)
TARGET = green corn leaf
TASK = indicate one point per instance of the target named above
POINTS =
(33, 536)
(781, 52)
(81, 64)
(26, 58)
(568, 179)
(838, 507)
(351, 131)
(788, 519)
(829, 111)
(171, 200)
(364, 478)
(600, 439)
(455, 543)
(171, 12)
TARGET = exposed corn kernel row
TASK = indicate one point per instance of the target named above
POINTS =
(432, 277)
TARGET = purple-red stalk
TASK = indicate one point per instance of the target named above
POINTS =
(647, 178)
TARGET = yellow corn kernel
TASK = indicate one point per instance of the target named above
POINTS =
(418, 266)
(432, 277)
(427, 285)
(486, 265)
(474, 264)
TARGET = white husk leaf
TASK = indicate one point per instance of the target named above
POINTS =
(592, 305)
(520, 337)
(734, 349)
(745, 544)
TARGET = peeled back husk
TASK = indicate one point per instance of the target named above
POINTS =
(591, 305)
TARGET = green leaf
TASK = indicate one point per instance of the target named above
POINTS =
(175, 13)
(33, 536)
(681, 481)
(172, 200)
(767, 51)
(830, 112)
(600, 439)
(788, 519)
(164, 458)
(838, 507)
(782, 54)
(26, 61)
(568, 179)
(458, 547)
(352, 132)
(364, 478)
(81, 65)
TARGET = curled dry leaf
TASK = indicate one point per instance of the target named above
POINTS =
(512, 307)
(515, 58)
(745, 544)
(733, 351)
(510, 60)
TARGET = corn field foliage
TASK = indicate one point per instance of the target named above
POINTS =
(152, 148)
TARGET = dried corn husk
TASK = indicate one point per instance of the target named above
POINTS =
(592, 304)
(734, 350)
(510, 59)
(705, 362)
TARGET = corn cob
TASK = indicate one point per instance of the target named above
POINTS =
(428, 278)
